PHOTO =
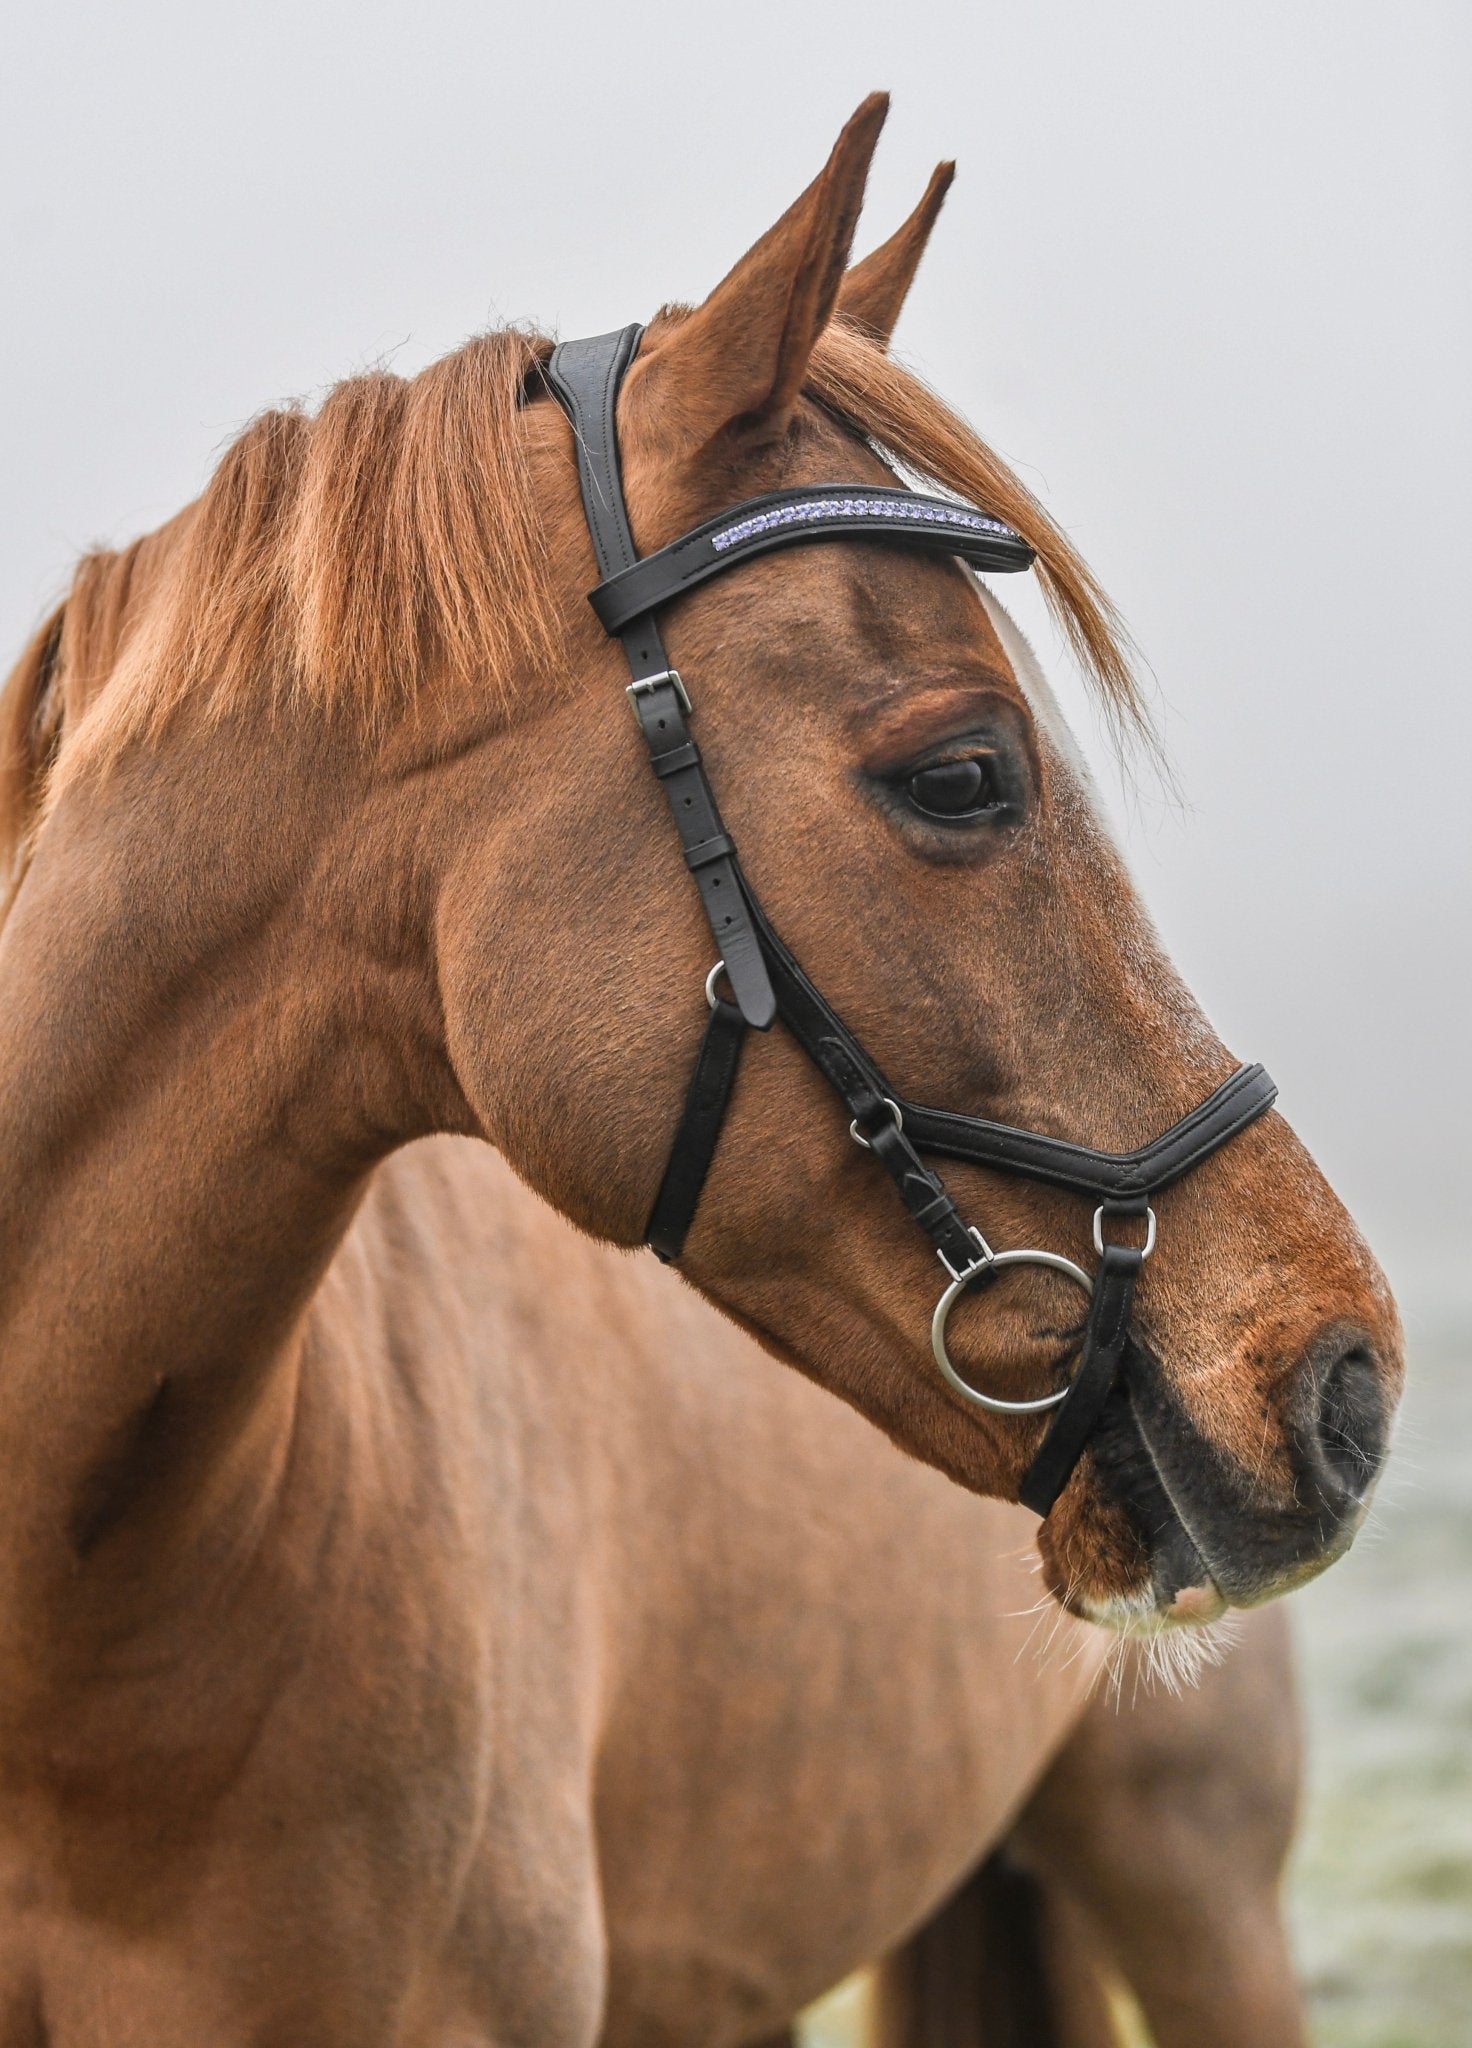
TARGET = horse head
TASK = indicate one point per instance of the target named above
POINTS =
(492, 878)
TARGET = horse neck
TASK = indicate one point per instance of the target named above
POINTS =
(187, 1123)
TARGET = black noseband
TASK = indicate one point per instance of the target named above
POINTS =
(767, 981)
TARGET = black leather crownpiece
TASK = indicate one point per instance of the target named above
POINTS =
(585, 377)
(767, 980)
(781, 519)
(699, 1132)
(1098, 1367)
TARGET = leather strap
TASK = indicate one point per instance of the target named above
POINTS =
(924, 1194)
(1074, 1419)
(843, 1064)
(585, 376)
(1106, 1176)
(659, 705)
(781, 519)
(699, 1131)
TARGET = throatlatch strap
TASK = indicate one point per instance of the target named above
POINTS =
(699, 1132)
(585, 377)
(1074, 1419)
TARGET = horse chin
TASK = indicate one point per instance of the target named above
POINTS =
(1133, 1585)
(1162, 1642)
(1157, 1608)
(1120, 1550)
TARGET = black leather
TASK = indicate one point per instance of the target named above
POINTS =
(699, 1132)
(585, 377)
(1074, 1418)
(767, 980)
(829, 512)
(709, 853)
(1031, 1155)
(1106, 1176)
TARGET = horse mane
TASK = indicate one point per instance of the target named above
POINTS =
(64, 665)
(341, 557)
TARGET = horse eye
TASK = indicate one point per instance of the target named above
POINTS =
(955, 789)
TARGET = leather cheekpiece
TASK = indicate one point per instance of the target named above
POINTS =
(584, 377)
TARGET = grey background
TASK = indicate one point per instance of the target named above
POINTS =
(1204, 276)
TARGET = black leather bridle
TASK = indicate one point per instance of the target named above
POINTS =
(766, 981)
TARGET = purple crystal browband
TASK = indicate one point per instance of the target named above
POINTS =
(808, 513)
(810, 509)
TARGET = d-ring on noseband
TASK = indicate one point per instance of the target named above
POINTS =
(765, 980)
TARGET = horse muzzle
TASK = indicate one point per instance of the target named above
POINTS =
(1248, 1527)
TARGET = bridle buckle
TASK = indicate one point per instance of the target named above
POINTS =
(643, 684)
(985, 1256)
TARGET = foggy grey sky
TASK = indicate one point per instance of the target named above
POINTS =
(1204, 277)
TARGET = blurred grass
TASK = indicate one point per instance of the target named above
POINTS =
(1380, 1889)
(1381, 1885)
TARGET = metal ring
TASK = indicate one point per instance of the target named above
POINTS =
(894, 1109)
(1149, 1245)
(952, 1294)
(710, 982)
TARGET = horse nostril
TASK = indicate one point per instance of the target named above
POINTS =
(1350, 1425)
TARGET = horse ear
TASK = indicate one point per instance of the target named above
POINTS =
(873, 292)
(740, 358)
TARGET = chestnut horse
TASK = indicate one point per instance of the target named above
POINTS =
(421, 1625)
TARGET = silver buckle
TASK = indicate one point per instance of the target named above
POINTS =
(666, 675)
(985, 1256)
